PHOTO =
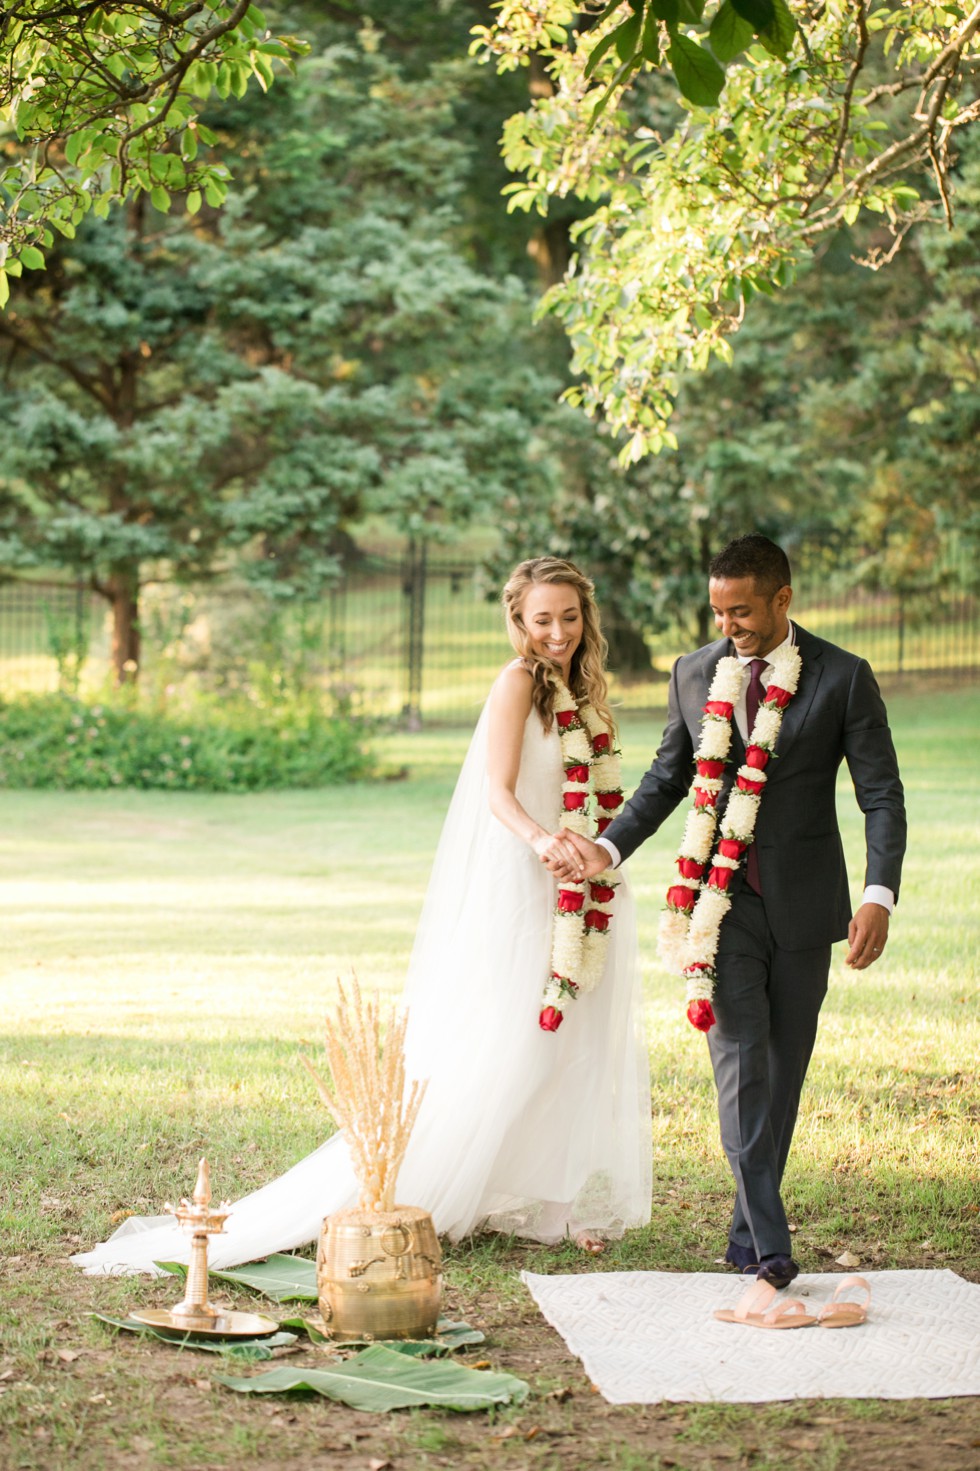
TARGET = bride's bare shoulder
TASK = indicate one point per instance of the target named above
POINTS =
(512, 689)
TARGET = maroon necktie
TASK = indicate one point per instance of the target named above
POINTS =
(753, 699)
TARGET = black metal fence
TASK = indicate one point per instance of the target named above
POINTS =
(420, 636)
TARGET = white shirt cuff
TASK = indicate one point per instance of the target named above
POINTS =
(614, 852)
(877, 894)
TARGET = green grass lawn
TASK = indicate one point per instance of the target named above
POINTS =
(165, 958)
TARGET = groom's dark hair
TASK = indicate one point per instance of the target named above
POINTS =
(753, 556)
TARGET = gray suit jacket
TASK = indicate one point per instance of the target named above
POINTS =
(837, 714)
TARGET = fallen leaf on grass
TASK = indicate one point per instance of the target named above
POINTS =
(375, 1465)
(69, 1355)
(381, 1380)
(848, 1259)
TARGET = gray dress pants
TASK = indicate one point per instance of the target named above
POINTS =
(767, 1001)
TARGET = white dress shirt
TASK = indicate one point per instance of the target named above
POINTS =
(874, 893)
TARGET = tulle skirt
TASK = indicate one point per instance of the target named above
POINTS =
(543, 1134)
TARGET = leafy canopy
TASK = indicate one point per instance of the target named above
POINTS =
(106, 100)
(790, 120)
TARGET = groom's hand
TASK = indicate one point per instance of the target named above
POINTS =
(868, 935)
(595, 859)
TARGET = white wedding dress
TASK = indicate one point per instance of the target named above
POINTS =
(537, 1133)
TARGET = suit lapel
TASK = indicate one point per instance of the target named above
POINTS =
(811, 656)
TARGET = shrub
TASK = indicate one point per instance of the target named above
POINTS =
(61, 742)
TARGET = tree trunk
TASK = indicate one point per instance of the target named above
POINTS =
(704, 610)
(628, 652)
(123, 591)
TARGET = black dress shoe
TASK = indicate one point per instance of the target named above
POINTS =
(779, 1271)
(742, 1257)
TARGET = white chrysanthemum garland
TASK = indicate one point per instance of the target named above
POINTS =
(691, 923)
(580, 932)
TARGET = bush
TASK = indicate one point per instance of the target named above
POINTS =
(61, 742)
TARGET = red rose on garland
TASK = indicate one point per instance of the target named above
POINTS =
(574, 801)
(576, 773)
(569, 901)
(757, 757)
(597, 919)
(747, 785)
(601, 893)
(550, 1019)
(701, 1015)
(680, 897)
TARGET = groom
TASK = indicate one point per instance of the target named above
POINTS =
(789, 897)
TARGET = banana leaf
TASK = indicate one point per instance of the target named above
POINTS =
(281, 1277)
(378, 1379)
(232, 1348)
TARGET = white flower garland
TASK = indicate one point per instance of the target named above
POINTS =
(690, 925)
(583, 912)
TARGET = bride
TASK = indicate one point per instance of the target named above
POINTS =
(524, 1016)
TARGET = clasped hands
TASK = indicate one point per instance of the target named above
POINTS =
(571, 857)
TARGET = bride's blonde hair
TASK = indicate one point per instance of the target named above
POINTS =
(587, 676)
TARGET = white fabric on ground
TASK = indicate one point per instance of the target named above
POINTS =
(542, 1134)
(644, 1337)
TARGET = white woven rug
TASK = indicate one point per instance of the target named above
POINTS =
(650, 1336)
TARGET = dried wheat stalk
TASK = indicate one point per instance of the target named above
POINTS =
(368, 1100)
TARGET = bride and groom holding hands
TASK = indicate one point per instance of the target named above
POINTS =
(546, 1133)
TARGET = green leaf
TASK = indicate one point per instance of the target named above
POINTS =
(448, 1337)
(4, 289)
(281, 1277)
(650, 40)
(250, 1348)
(690, 10)
(699, 76)
(160, 199)
(780, 34)
(303, 1325)
(32, 258)
(600, 50)
(77, 144)
(758, 13)
(628, 36)
(730, 33)
(623, 72)
(665, 10)
(193, 201)
(380, 1380)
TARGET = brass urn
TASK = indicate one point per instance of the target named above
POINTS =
(379, 1274)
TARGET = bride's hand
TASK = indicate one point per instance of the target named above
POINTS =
(559, 855)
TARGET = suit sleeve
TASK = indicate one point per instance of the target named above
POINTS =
(871, 760)
(664, 785)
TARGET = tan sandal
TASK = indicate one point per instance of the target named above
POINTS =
(846, 1313)
(790, 1313)
(755, 1312)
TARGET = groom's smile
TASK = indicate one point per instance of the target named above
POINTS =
(755, 623)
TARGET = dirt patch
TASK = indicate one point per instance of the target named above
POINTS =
(73, 1394)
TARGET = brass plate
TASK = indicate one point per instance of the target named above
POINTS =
(224, 1325)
